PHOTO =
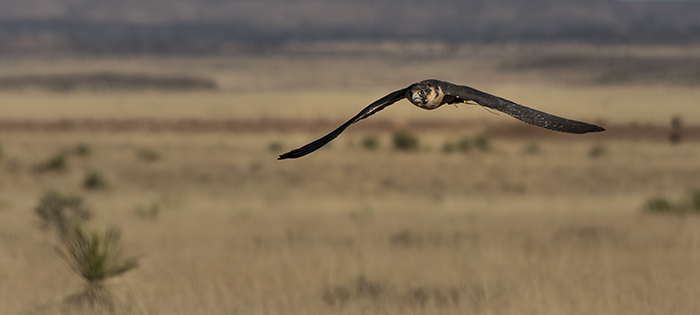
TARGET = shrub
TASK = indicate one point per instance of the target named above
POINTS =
(597, 151)
(464, 144)
(56, 163)
(362, 215)
(94, 180)
(362, 288)
(95, 255)
(148, 155)
(405, 141)
(695, 200)
(275, 146)
(370, 142)
(448, 147)
(59, 212)
(82, 149)
(688, 205)
(658, 204)
(482, 142)
(532, 148)
(148, 212)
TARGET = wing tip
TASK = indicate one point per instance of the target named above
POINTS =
(285, 156)
(597, 129)
(293, 154)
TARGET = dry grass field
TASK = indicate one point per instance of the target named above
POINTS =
(534, 224)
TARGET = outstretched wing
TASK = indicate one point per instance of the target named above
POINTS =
(523, 113)
(378, 105)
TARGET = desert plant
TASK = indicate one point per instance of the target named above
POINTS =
(94, 180)
(148, 212)
(82, 149)
(59, 212)
(448, 147)
(405, 141)
(275, 146)
(532, 148)
(362, 215)
(148, 155)
(464, 144)
(597, 151)
(370, 142)
(658, 204)
(695, 199)
(58, 162)
(95, 255)
(482, 142)
(687, 205)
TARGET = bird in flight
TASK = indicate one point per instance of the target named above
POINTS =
(431, 94)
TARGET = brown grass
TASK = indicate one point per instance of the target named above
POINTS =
(494, 232)
(348, 230)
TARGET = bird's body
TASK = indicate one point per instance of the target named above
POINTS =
(431, 94)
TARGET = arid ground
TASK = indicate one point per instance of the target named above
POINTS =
(516, 221)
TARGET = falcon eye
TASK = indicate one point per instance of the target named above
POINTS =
(421, 93)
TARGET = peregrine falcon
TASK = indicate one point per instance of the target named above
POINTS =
(431, 94)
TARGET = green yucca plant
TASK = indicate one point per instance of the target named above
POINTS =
(95, 255)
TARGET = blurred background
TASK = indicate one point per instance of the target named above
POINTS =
(163, 120)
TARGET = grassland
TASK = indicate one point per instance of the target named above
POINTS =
(533, 225)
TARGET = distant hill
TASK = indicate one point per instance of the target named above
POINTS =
(219, 25)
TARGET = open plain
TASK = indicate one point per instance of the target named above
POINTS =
(516, 221)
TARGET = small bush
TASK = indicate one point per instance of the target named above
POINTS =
(448, 147)
(95, 255)
(689, 204)
(148, 212)
(370, 142)
(532, 148)
(56, 163)
(405, 141)
(82, 150)
(275, 146)
(482, 143)
(60, 212)
(94, 181)
(695, 200)
(597, 151)
(658, 204)
(148, 155)
(367, 292)
(464, 144)
(362, 215)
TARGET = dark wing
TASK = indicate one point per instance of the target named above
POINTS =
(523, 113)
(378, 105)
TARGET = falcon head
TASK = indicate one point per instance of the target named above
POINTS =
(424, 95)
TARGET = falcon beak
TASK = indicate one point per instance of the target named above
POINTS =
(415, 97)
